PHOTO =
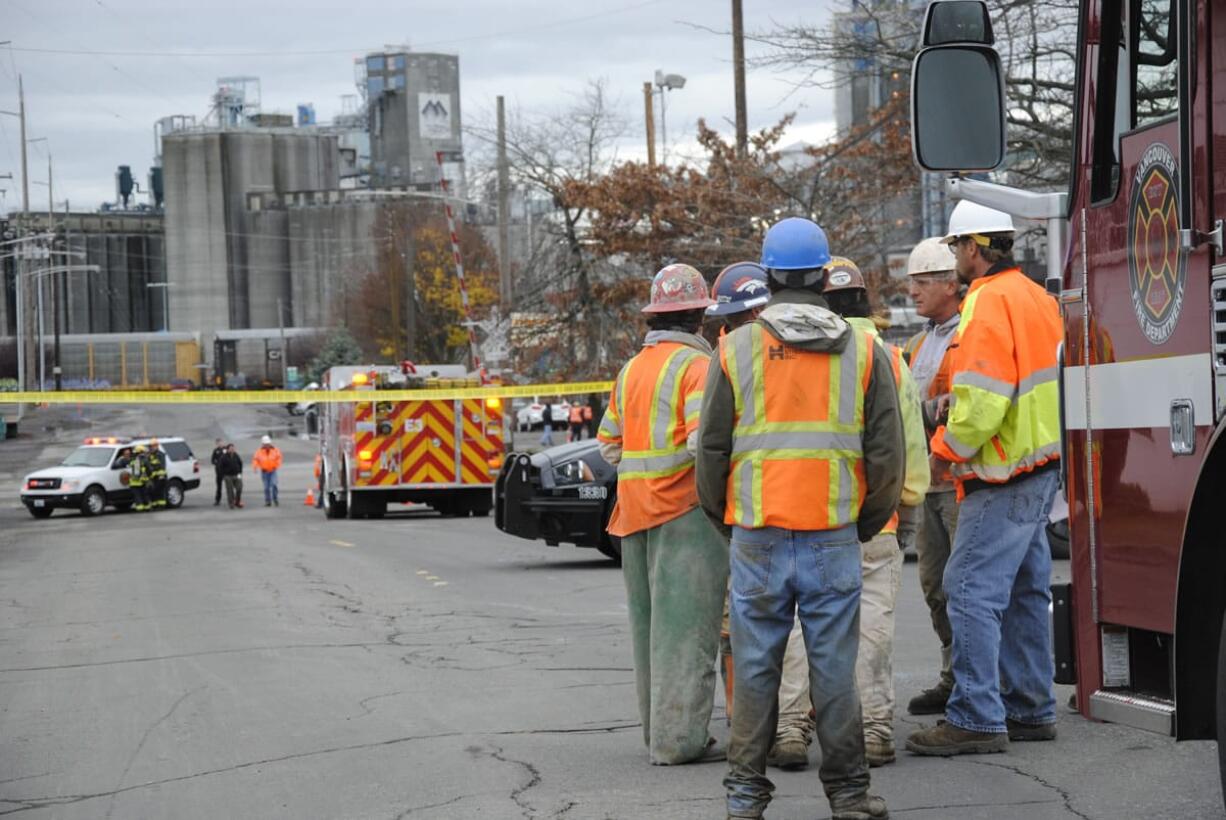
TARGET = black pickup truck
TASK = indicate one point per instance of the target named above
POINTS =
(564, 494)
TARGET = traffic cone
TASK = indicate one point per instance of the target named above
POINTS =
(310, 499)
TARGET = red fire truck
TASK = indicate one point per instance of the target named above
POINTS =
(1137, 258)
(441, 452)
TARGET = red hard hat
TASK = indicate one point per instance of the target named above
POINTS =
(676, 288)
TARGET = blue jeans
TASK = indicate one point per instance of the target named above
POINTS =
(777, 574)
(998, 591)
(270, 485)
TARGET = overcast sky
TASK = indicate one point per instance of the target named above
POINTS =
(97, 110)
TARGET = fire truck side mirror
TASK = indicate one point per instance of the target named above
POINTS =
(958, 108)
(958, 21)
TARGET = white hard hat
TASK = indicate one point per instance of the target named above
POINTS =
(931, 255)
(266, 440)
(971, 218)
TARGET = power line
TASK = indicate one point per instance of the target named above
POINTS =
(327, 51)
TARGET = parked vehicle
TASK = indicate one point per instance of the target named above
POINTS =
(564, 494)
(1136, 252)
(94, 476)
(532, 415)
(441, 452)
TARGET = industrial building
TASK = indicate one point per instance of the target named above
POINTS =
(413, 109)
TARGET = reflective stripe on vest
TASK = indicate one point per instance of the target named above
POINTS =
(663, 456)
(1005, 418)
(799, 420)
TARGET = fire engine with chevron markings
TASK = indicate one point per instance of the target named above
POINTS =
(442, 452)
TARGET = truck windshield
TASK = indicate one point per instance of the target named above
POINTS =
(89, 457)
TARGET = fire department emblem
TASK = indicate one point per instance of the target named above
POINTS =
(1157, 268)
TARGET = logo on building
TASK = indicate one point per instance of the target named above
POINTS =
(1157, 268)
(434, 116)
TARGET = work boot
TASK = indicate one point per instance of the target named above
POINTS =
(864, 807)
(946, 740)
(878, 752)
(1030, 731)
(789, 753)
(930, 701)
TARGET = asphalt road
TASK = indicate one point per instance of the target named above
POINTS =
(268, 663)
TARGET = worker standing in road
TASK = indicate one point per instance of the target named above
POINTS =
(267, 461)
(232, 475)
(219, 450)
(674, 562)
(935, 289)
(138, 478)
(882, 557)
(801, 454)
(1003, 442)
(547, 425)
(157, 475)
(576, 422)
(588, 416)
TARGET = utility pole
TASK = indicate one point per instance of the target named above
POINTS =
(649, 111)
(22, 260)
(55, 284)
(504, 211)
(281, 329)
(738, 74)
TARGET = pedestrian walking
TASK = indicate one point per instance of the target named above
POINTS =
(547, 425)
(675, 564)
(801, 454)
(1002, 443)
(266, 462)
(935, 289)
(139, 478)
(219, 450)
(157, 475)
(232, 476)
(881, 558)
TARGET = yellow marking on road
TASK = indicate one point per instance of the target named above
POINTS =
(431, 577)
(423, 572)
(440, 583)
(342, 543)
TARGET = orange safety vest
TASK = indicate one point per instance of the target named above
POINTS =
(587, 412)
(942, 380)
(652, 411)
(576, 414)
(797, 435)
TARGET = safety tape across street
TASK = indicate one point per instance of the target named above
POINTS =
(294, 396)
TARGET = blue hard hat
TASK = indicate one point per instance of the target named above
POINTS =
(795, 244)
(739, 287)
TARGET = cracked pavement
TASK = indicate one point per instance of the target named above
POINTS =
(207, 663)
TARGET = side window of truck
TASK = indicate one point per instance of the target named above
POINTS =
(1154, 76)
(1136, 82)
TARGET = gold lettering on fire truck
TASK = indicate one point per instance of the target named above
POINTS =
(1157, 268)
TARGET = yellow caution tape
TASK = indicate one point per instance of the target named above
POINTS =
(293, 396)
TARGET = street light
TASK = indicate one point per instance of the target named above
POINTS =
(666, 82)
(165, 286)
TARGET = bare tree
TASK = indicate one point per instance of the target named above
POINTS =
(560, 154)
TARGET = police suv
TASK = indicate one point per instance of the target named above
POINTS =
(94, 476)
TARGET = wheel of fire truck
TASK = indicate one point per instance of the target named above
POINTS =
(334, 507)
(1221, 706)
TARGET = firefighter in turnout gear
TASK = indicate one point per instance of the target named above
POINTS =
(157, 475)
(801, 455)
(674, 561)
(139, 478)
